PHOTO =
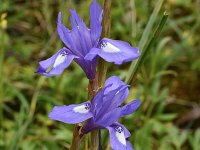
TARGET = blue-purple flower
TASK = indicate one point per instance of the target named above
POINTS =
(83, 45)
(102, 112)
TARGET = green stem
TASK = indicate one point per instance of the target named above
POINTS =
(102, 70)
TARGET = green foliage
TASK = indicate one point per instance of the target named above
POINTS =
(195, 140)
(167, 81)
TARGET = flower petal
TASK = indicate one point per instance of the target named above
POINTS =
(64, 32)
(56, 64)
(89, 126)
(95, 21)
(129, 146)
(117, 137)
(108, 118)
(72, 114)
(92, 54)
(111, 101)
(111, 96)
(97, 101)
(89, 67)
(115, 51)
(130, 107)
(127, 134)
(80, 34)
(115, 81)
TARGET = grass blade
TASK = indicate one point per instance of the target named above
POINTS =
(145, 36)
(148, 29)
(134, 69)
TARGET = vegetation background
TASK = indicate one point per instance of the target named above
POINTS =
(168, 82)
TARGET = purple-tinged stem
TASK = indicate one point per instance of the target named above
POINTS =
(95, 84)
(76, 138)
(92, 90)
(101, 69)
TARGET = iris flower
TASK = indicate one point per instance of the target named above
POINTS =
(102, 112)
(84, 46)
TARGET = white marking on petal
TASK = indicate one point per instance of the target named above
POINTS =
(60, 59)
(82, 109)
(108, 47)
(120, 135)
(116, 92)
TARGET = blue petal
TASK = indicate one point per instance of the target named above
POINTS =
(89, 67)
(56, 64)
(127, 134)
(129, 146)
(111, 96)
(97, 101)
(112, 100)
(80, 34)
(130, 107)
(72, 114)
(115, 81)
(92, 54)
(108, 118)
(95, 21)
(117, 137)
(67, 37)
(64, 32)
(89, 126)
(115, 51)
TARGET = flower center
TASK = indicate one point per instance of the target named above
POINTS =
(120, 135)
(108, 47)
(60, 59)
(82, 108)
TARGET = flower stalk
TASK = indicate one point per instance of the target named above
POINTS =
(101, 69)
(96, 84)
(76, 138)
(92, 90)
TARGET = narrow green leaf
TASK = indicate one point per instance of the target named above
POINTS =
(166, 117)
(145, 36)
(135, 66)
(148, 29)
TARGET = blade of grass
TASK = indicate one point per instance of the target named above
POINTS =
(1, 85)
(133, 70)
(145, 36)
(22, 130)
(133, 18)
(148, 29)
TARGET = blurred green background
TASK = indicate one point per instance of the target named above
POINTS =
(168, 82)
